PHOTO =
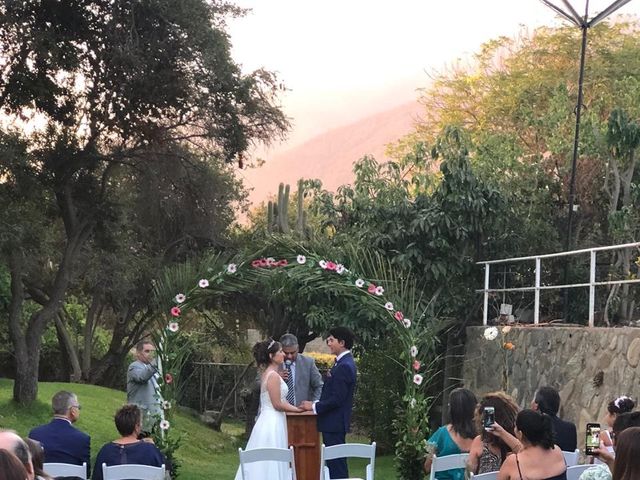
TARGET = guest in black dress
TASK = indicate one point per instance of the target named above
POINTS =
(128, 449)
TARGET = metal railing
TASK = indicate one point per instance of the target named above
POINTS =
(536, 288)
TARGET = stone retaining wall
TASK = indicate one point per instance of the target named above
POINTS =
(588, 366)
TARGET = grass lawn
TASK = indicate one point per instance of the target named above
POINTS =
(204, 453)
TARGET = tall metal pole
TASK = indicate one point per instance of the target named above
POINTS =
(576, 140)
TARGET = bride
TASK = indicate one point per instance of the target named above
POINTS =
(270, 430)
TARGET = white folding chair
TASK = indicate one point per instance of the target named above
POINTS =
(129, 471)
(66, 470)
(574, 472)
(485, 476)
(284, 455)
(571, 458)
(448, 462)
(348, 450)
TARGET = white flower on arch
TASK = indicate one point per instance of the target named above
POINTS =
(181, 297)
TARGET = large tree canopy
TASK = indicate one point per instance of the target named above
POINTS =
(97, 95)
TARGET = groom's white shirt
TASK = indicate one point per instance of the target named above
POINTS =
(337, 360)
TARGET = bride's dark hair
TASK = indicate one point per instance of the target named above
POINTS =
(263, 350)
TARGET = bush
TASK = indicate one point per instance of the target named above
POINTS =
(377, 394)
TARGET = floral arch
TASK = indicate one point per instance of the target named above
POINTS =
(382, 303)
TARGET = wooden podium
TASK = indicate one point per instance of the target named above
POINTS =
(305, 439)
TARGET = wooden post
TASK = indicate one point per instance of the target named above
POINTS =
(305, 439)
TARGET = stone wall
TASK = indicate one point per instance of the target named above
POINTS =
(588, 366)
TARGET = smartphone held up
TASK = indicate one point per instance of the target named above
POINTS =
(592, 440)
(488, 417)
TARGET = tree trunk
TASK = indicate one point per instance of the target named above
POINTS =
(66, 345)
(93, 315)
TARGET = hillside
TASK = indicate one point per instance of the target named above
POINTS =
(330, 156)
(204, 453)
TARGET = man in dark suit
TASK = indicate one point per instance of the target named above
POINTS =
(547, 400)
(305, 382)
(61, 441)
(336, 402)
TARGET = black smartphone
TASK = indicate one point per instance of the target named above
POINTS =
(488, 417)
(593, 438)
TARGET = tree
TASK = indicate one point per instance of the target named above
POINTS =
(116, 85)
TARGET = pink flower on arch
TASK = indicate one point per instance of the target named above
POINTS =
(263, 262)
(282, 263)
(398, 315)
(371, 288)
(168, 378)
(256, 264)
(416, 365)
(175, 311)
(331, 266)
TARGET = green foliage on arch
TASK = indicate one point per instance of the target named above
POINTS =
(355, 288)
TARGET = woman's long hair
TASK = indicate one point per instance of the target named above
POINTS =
(506, 410)
(462, 405)
(627, 462)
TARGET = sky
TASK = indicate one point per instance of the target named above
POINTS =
(342, 60)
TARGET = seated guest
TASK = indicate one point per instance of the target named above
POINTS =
(615, 407)
(10, 467)
(37, 459)
(128, 449)
(61, 441)
(538, 457)
(547, 400)
(11, 441)
(627, 463)
(491, 447)
(456, 436)
(603, 471)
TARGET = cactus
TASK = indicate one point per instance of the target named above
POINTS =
(270, 217)
(283, 208)
(301, 221)
(278, 212)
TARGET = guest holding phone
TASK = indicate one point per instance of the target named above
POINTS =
(455, 437)
(490, 449)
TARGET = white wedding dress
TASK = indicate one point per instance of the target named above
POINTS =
(270, 431)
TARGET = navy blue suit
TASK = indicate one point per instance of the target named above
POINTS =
(334, 409)
(63, 443)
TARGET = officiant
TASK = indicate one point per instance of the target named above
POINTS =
(299, 372)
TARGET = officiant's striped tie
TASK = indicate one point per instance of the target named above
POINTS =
(291, 394)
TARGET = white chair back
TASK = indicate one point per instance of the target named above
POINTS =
(66, 470)
(574, 472)
(128, 471)
(448, 462)
(571, 458)
(485, 476)
(284, 455)
(348, 450)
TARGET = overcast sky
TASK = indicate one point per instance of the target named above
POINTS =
(345, 59)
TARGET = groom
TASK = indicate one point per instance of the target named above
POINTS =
(335, 404)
